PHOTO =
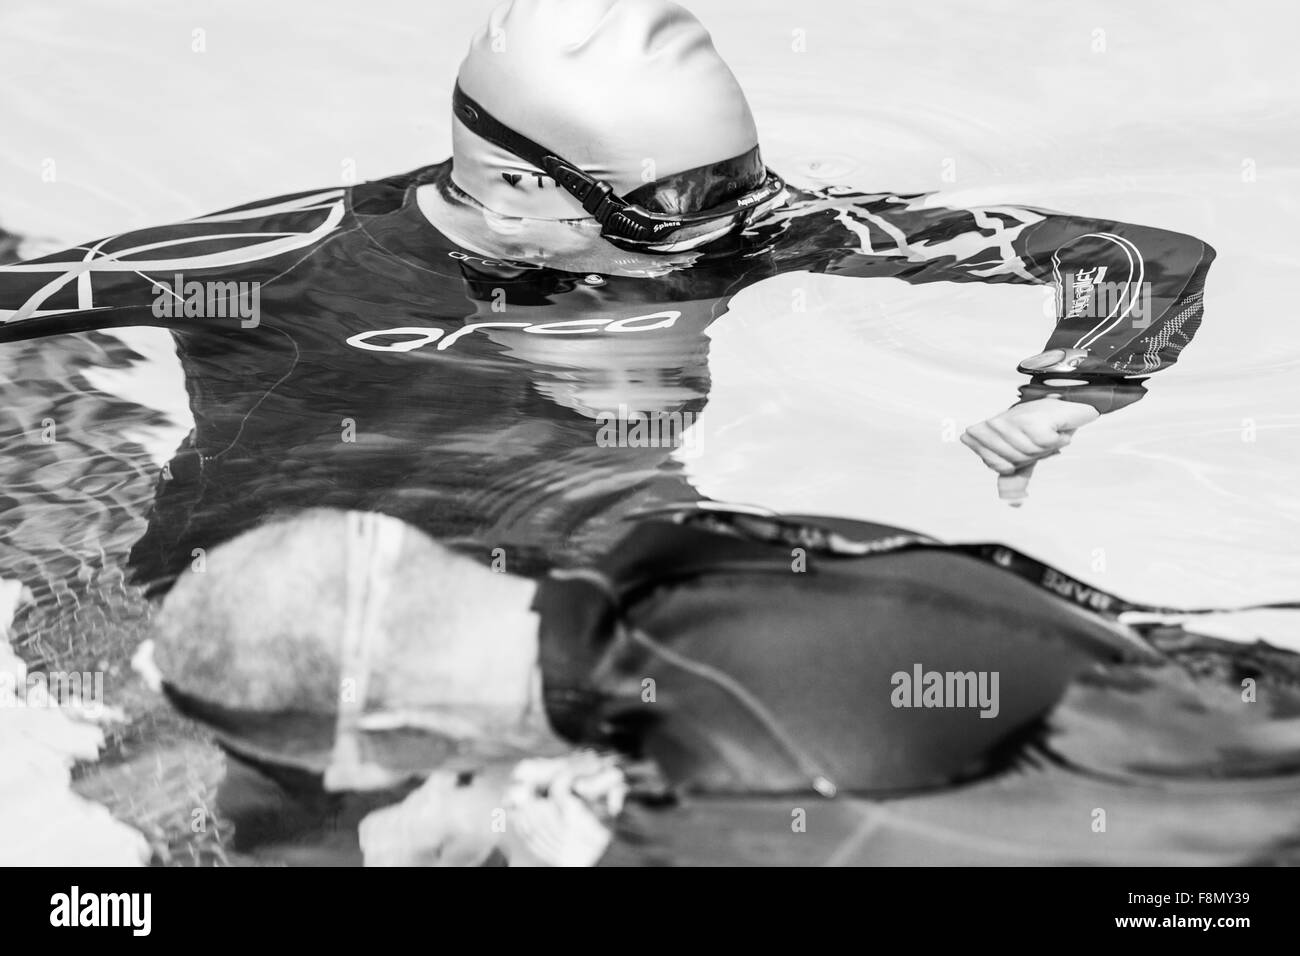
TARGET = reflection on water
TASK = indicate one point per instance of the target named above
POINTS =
(76, 486)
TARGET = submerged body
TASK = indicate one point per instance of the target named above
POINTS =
(750, 680)
(745, 665)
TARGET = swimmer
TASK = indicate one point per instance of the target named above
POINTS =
(736, 652)
(605, 199)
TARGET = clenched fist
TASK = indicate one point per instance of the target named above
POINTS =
(1012, 442)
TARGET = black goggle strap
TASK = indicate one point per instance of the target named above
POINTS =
(597, 197)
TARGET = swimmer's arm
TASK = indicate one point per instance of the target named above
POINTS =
(1160, 275)
(53, 294)
(911, 238)
(1129, 300)
(130, 279)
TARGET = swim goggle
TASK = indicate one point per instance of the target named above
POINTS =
(630, 225)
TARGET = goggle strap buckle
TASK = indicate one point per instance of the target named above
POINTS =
(593, 194)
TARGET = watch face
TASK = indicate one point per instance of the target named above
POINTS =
(1044, 360)
(1059, 360)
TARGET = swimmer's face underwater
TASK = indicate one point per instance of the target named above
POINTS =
(584, 245)
(570, 245)
(685, 211)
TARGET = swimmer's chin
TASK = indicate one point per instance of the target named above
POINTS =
(569, 245)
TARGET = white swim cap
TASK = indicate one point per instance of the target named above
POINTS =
(349, 643)
(630, 90)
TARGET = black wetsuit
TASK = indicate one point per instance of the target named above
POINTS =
(457, 429)
(763, 673)
(740, 664)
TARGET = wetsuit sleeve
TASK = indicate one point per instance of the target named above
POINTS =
(73, 290)
(144, 277)
(1128, 298)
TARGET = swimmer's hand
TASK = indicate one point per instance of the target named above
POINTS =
(560, 810)
(446, 822)
(1012, 442)
(538, 812)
